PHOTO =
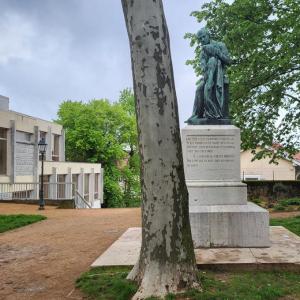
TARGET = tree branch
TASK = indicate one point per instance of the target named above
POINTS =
(292, 97)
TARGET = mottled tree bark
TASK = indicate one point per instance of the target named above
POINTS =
(167, 260)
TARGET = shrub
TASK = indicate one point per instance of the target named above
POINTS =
(291, 201)
(256, 201)
(279, 207)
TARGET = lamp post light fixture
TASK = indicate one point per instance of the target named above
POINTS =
(42, 150)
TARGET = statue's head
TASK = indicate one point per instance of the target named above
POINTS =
(203, 36)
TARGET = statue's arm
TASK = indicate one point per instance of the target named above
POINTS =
(221, 52)
(224, 54)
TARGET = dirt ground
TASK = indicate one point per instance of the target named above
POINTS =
(286, 214)
(43, 260)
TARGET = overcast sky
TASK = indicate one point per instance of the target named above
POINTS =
(55, 50)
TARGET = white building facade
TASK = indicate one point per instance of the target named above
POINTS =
(20, 162)
(285, 169)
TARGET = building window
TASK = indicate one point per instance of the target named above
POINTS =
(3, 151)
(61, 179)
(55, 151)
(75, 181)
(96, 195)
(43, 135)
(86, 186)
(252, 177)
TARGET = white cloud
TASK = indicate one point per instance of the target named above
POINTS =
(51, 51)
(16, 36)
(22, 39)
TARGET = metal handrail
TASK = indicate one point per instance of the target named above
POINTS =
(77, 204)
(30, 191)
(52, 191)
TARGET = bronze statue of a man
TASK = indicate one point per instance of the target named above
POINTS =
(211, 100)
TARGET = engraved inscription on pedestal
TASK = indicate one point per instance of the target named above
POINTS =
(212, 157)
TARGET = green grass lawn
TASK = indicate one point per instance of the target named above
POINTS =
(292, 224)
(8, 222)
(111, 284)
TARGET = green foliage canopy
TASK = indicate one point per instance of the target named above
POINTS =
(263, 37)
(103, 132)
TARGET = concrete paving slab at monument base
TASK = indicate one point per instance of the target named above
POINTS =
(284, 253)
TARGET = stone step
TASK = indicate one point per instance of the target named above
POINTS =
(216, 192)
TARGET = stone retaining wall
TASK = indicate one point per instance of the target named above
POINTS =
(276, 190)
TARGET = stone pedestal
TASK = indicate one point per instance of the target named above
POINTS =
(219, 212)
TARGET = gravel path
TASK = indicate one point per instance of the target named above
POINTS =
(43, 260)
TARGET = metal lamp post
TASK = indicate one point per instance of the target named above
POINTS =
(42, 149)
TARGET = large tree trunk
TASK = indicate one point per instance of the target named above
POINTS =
(167, 259)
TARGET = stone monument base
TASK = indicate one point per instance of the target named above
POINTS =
(216, 226)
(220, 215)
(216, 192)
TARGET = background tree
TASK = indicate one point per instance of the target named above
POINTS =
(104, 132)
(167, 260)
(263, 39)
(131, 171)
